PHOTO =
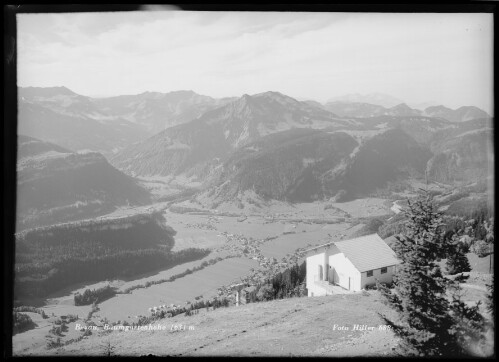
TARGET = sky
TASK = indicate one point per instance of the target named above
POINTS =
(440, 58)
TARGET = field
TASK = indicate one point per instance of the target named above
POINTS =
(250, 204)
(33, 339)
(291, 327)
(311, 327)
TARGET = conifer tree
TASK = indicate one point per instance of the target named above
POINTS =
(457, 261)
(426, 322)
(490, 301)
(468, 328)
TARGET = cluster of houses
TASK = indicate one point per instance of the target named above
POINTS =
(201, 226)
(268, 266)
(243, 246)
(163, 307)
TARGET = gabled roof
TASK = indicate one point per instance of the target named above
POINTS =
(368, 252)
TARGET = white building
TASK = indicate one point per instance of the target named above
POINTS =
(351, 264)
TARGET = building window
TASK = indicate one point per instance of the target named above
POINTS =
(370, 273)
(384, 270)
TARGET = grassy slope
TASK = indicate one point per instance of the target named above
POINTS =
(298, 326)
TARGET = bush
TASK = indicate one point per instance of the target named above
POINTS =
(461, 278)
(457, 262)
(54, 343)
(32, 310)
(94, 296)
(480, 248)
(370, 287)
(22, 322)
(375, 287)
(265, 293)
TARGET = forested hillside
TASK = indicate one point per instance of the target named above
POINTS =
(50, 258)
(56, 185)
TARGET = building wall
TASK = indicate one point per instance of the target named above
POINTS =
(344, 269)
(331, 260)
(383, 278)
(313, 262)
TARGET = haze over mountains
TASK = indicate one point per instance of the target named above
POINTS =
(363, 110)
(268, 143)
(378, 99)
(105, 125)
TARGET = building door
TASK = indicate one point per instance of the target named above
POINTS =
(321, 273)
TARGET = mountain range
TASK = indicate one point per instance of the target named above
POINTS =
(267, 143)
(184, 147)
(106, 125)
(464, 153)
(365, 110)
(304, 165)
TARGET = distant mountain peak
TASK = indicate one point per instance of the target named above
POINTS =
(437, 108)
(150, 92)
(245, 99)
(277, 97)
(471, 108)
(379, 99)
(461, 114)
(184, 92)
(401, 106)
(45, 91)
(65, 89)
(271, 94)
